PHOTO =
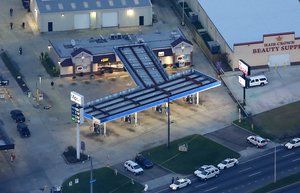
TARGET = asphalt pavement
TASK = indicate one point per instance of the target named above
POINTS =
(248, 175)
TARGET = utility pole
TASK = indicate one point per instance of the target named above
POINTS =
(91, 176)
(182, 22)
(275, 165)
(168, 113)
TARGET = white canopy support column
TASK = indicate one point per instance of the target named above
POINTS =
(135, 118)
(197, 98)
(104, 129)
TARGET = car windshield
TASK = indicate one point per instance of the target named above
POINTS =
(292, 141)
(224, 162)
(136, 167)
(204, 172)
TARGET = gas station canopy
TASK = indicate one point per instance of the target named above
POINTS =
(154, 86)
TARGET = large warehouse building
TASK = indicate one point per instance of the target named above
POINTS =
(62, 15)
(262, 33)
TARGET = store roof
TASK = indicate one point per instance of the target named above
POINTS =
(51, 6)
(105, 45)
(242, 21)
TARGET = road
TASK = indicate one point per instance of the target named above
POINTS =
(248, 175)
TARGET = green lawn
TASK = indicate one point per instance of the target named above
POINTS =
(280, 183)
(277, 124)
(201, 151)
(106, 182)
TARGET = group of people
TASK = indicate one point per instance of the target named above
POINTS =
(11, 11)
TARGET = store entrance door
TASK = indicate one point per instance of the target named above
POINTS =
(279, 60)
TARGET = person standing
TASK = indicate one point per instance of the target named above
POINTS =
(11, 25)
(11, 12)
(23, 25)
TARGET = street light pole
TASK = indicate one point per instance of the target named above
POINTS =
(91, 176)
(275, 164)
(168, 111)
(182, 22)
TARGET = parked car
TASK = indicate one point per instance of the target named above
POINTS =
(293, 143)
(259, 80)
(143, 161)
(228, 163)
(257, 141)
(17, 115)
(180, 183)
(23, 130)
(203, 168)
(133, 167)
(208, 173)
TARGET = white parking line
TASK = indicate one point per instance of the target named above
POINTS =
(295, 159)
(254, 174)
(210, 189)
(200, 185)
(245, 169)
(288, 154)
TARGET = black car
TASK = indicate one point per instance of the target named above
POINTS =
(143, 161)
(23, 130)
(18, 116)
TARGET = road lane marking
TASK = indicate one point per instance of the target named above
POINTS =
(200, 185)
(249, 160)
(288, 154)
(295, 159)
(254, 174)
(210, 189)
(245, 169)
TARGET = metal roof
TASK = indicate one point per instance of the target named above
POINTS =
(105, 45)
(52, 6)
(154, 86)
(143, 66)
(243, 21)
(5, 142)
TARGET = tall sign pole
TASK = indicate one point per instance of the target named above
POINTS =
(168, 111)
(246, 69)
(77, 117)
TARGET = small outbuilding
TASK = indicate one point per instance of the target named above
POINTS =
(63, 15)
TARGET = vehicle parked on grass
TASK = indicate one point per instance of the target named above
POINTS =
(202, 168)
(23, 130)
(133, 167)
(17, 115)
(228, 163)
(180, 183)
(208, 173)
(293, 143)
(257, 141)
(143, 161)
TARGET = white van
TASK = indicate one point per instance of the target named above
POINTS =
(259, 80)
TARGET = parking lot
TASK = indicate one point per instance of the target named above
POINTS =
(39, 157)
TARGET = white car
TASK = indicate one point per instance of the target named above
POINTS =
(180, 183)
(202, 168)
(133, 167)
(257, 141)
(228, 163)
(293, 143)
(209, 173)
